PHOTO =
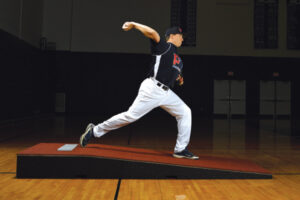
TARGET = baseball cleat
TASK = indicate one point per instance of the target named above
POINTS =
(91, 125)
(87, 135)
(185, 154)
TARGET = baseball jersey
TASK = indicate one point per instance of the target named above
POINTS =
(166, 65)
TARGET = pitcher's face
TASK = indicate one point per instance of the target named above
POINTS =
(178, 39)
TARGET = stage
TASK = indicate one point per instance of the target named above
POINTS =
(44, 160)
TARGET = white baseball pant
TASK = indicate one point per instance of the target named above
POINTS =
(150, 96)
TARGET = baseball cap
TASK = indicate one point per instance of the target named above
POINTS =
(174, 30)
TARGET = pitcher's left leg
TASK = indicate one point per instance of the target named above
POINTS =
(177, 108)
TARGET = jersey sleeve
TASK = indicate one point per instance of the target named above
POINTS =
(158, 48)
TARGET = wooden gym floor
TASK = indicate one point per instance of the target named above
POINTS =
(260, 141)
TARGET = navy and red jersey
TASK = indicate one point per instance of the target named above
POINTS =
(167, 65)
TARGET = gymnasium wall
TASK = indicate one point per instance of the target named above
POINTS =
(99, 67)
(224, 27)
(23, 19)
(26, 79)
(107, 83)
(10, 16)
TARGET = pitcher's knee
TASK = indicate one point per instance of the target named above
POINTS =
(187, 111)
(129, 117)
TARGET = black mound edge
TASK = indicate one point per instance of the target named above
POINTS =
(33, 166)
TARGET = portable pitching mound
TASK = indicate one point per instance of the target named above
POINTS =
(55, 160)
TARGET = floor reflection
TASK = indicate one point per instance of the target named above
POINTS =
(250, 134)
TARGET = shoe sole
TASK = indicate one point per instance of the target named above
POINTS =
(82, 136)
(89, 126)
(192, 158)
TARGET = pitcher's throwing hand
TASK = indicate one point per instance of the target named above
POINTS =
(127, 26)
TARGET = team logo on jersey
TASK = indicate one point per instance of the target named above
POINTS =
(176, 59)
(177, 64)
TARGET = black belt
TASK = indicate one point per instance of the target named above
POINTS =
(162, 86)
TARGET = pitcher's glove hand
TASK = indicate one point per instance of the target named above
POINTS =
(180, 80)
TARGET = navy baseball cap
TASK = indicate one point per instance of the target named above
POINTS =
(174, 30)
